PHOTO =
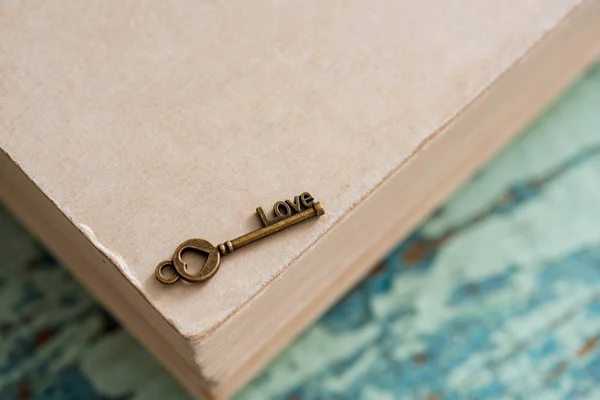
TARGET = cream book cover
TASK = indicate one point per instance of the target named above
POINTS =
(127, 128)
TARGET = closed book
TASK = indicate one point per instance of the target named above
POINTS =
(128, 128)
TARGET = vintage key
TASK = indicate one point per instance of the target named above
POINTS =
(214, 253)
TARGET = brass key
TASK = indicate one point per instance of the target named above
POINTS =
(287, 214)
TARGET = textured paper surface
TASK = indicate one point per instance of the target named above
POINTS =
(463, 317)
(149, 124)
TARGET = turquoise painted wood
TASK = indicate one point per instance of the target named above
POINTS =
(496, 296)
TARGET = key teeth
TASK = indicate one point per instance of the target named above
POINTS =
(319, 209)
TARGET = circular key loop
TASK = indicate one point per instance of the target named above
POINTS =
(210, 267)
(161, 277)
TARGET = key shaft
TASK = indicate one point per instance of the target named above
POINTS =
(244, 240)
